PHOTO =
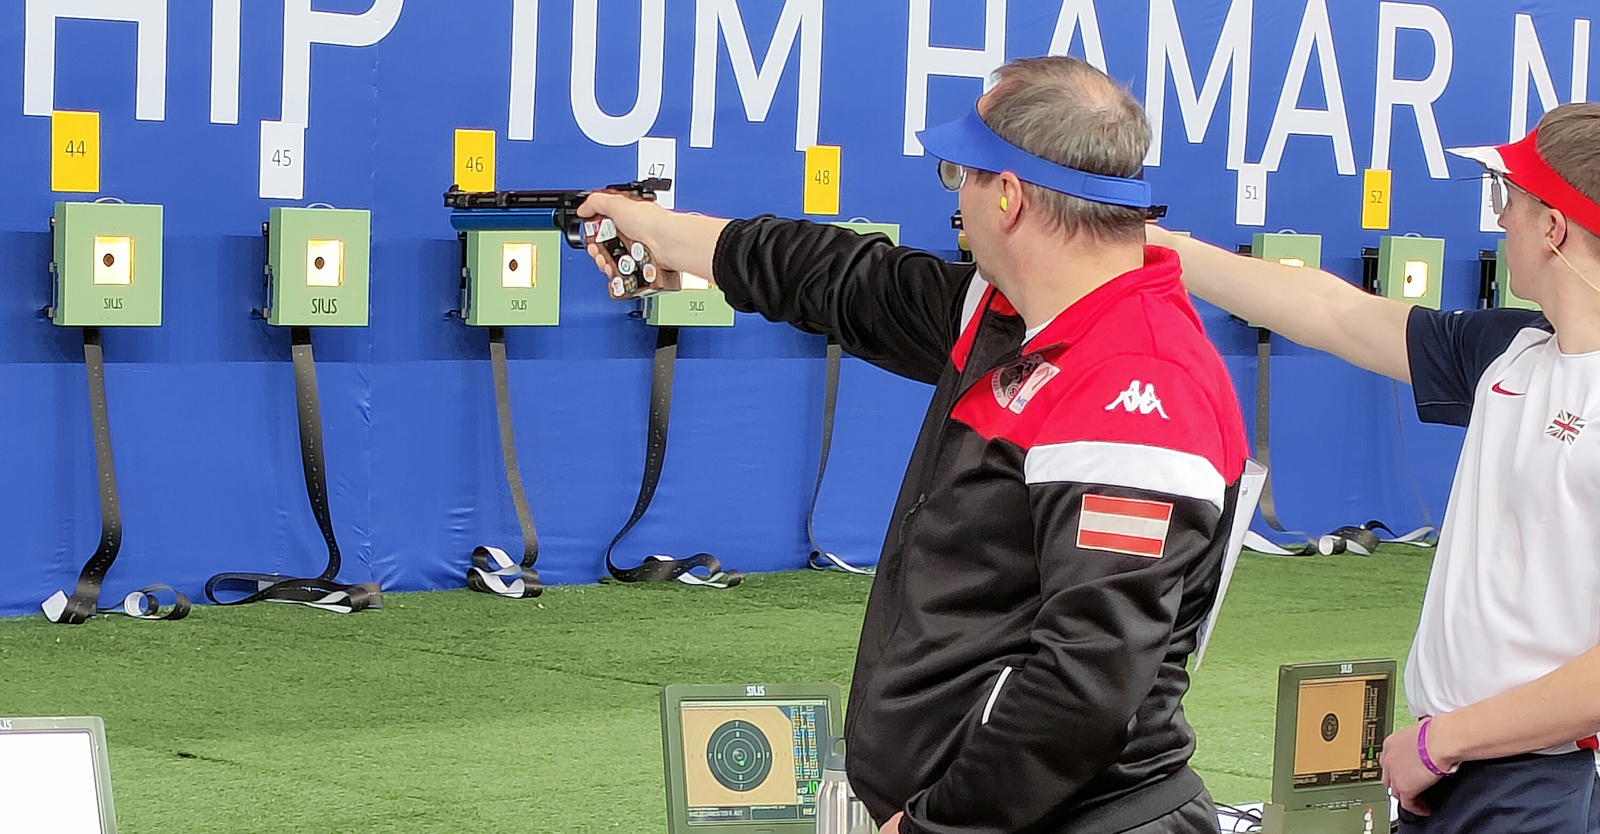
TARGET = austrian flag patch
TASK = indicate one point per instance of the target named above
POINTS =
(1124, 525)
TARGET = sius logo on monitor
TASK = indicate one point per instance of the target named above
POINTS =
(5, 723)
(755, 691)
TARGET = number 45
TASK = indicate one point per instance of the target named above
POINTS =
(283, 157)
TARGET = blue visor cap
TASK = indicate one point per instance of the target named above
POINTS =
(970, 143)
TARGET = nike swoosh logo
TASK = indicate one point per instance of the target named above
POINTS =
(1498, 390)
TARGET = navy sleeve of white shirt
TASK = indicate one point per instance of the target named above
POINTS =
(1449, 350)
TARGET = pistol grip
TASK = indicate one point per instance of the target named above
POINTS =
(637, 273)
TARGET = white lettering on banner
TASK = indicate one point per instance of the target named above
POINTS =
(1167, 49)
(1528, 66)
(225, 62)
(801, 20)
(924, 59)
(1291, 119)
(303, 27)
(1076, 16)
(39, 51)
(599, 126)
(1419, 95)
(524, 68)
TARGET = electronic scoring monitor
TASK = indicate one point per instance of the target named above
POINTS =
(55, 777)
(746, 758)
(1332, 720)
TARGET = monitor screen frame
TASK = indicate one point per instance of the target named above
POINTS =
(673, 698)
(1290, 678)
(96, 730)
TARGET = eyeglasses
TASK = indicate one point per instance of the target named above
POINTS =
(951, 175)
(1500, 190)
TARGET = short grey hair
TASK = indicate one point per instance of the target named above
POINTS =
(1072, 114)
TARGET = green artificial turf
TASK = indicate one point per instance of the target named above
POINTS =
(460, 712)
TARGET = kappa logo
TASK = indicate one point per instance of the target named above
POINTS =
(1141, 400)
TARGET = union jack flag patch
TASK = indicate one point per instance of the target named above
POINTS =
(1566, 427)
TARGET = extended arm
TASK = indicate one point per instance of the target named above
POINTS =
(892, 306)
(1556, 709)
(1309, 306)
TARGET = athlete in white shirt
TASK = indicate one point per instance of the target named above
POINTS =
(1504, 670)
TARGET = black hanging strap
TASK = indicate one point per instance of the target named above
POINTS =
(1362, 539)
(659, 568)
(321, 591)
(493, 570)
(147, 603)
(1263, 445)
(1263, 453)
(821, 558)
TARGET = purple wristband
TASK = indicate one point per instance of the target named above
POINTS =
(1422, 749)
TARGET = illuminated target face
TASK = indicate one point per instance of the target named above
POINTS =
(739, 756)
(1291, 262)
(113, 260)
(518, 269)
(1416, 280)
(324, 263)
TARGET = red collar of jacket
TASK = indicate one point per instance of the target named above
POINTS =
(1161, 275)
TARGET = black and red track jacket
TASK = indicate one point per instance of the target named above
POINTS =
(1057, 542)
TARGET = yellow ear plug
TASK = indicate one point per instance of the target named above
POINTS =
(1005, 204)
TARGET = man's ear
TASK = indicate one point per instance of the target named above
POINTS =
(1555, 224)
(1013, 201)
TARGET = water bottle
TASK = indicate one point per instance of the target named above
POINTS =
(836, 802)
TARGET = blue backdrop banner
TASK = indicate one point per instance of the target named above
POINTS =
(220, 111)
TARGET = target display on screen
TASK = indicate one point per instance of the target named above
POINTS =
(1339, 730)
(747, 762)
(739, 756)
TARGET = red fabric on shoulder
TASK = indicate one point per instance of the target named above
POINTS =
(1145, 401)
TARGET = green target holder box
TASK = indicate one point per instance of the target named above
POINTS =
(318, 261)
(705, 307)
(512, 278)
(1503, 296)
(1410, 269)
(107, 265)
(1289, 249)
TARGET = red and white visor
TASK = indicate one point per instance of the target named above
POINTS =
(1523, 165)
